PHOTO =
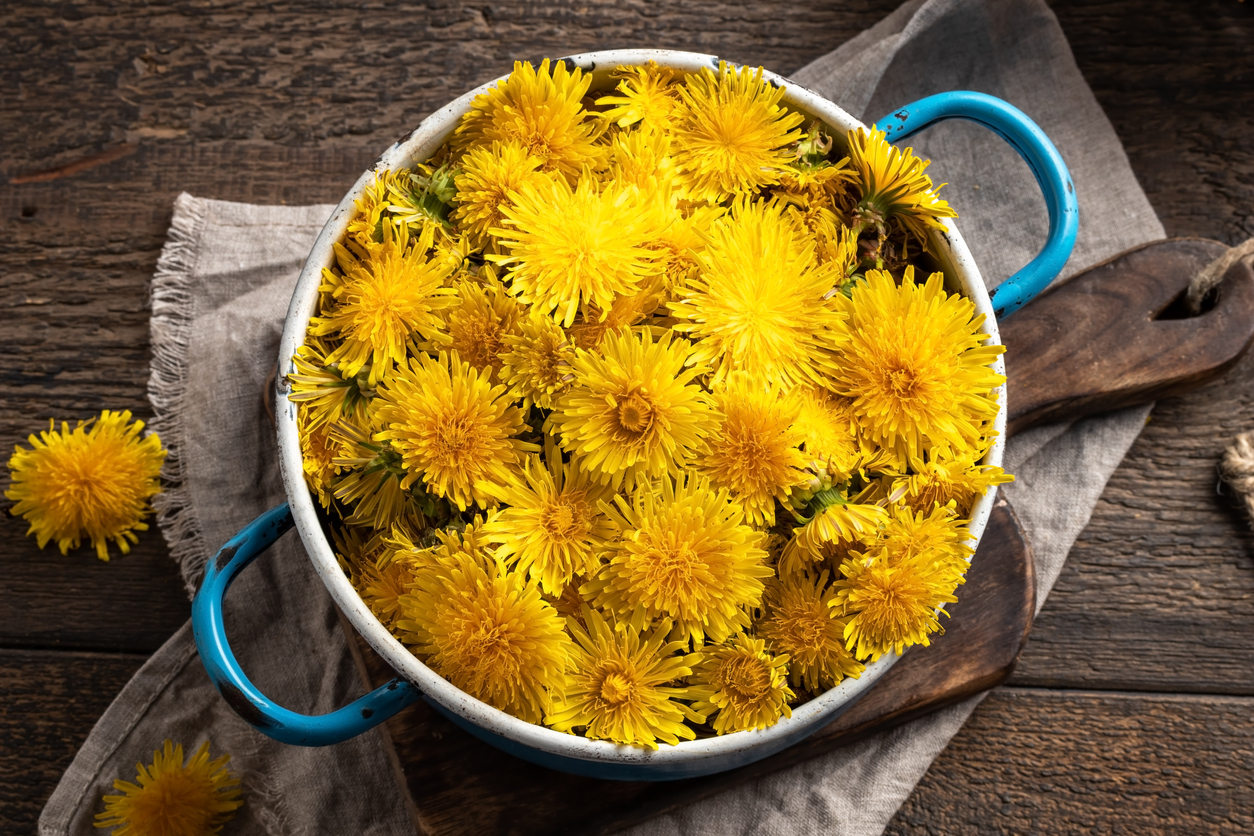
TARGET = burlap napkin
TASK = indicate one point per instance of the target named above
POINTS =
(219, 298)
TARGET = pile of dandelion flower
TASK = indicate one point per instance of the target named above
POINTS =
(634, 412)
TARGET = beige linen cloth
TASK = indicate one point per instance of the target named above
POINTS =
(219, 299)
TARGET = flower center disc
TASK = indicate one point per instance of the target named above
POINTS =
(617, 689)
(746, 679)
(635, 415)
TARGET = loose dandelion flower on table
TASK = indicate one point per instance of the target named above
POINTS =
(173, 797)
(626, 411)
(93, 482)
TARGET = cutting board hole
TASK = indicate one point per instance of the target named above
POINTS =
(1178, 308)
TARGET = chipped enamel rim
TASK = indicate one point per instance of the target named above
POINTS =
(687, 758)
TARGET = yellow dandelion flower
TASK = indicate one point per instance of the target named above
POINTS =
(626, 312)
(647, 95)
(620, 687)
(567, 247)
(423, 199)
(476, 327)
(819, 196)
(318, 453)
(838, 521)
(366, 227)
(683, 552)
(324, 394)
(915, 365)
(942, 480)
(938, 535)
(488, 177)
(93, 482)
(453, 429)
(381, 588)
(634, 411)
(890, 606)
(384, 297)
(552, 527)
(536, 361)
(828, 429)
(679, 244)
(485, 629)
(756, 450)
(643, 159)
(838, 245)
(894, 185)
(799, 623)
(174, 798)
(541, 110)
(761, 302)
(741, 687)
(733, 135)
(370, 478)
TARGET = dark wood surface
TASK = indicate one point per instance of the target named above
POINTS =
(460, 786)
(1121, 334)
(1130, 709)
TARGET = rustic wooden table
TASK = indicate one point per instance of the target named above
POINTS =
(1132, 707)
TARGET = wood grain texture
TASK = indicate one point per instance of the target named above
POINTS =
(1044, 761)
(460, 785)
(1117, 335)
(1158, 592)
(48, 704)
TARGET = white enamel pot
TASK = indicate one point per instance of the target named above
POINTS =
(415, 680)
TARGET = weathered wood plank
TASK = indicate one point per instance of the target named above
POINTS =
(1173, 78)
(48, 704)
(1158, 593)
(1064, 762)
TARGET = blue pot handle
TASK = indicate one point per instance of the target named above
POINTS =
(1012, 125)
(227, 676)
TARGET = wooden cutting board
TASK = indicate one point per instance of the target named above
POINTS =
(1111, 337)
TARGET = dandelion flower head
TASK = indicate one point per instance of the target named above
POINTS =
(915, 365)
(634, 410)
(683, 552)
(173, 797)
(623, 685)
(93, 482)
(733, 134)
(741, 686)
(485, 628)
